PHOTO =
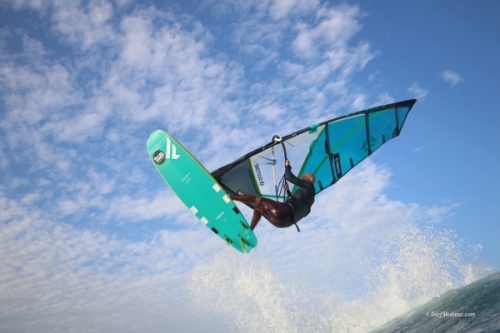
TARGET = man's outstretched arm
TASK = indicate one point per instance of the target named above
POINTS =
(291, 177)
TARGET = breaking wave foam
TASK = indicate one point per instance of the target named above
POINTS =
(248, 295)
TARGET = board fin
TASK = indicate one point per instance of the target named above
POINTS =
(244, 243)
(244, 226)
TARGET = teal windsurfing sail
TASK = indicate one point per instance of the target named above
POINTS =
(329, 150)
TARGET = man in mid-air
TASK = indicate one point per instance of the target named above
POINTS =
(283, 214)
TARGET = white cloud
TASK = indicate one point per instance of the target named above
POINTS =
(417, 91)
(281, 8)
(331, 34)
(324, 55)
(56, 277)
(385, 98)
(146, 209)
(78, 278)
(100, 12)
(91, 239)
(84, 24)
(32, 4)
(451, 77)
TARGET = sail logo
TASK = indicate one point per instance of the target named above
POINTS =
(258, 173)
(171, 153)
(338, 166)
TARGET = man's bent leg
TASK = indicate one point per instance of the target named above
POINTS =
(279, 214)
(257, 214)
(257, 211)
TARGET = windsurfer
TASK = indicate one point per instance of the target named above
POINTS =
(283, 214)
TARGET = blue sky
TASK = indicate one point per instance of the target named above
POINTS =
(92, 240)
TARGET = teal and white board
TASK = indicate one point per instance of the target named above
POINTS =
(199, 191)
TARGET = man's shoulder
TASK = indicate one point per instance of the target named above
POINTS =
(310, 187)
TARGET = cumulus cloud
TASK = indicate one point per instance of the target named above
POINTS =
(417, 91)
(335, 28)
(58, 277)
(451, 77)
(281, 8)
